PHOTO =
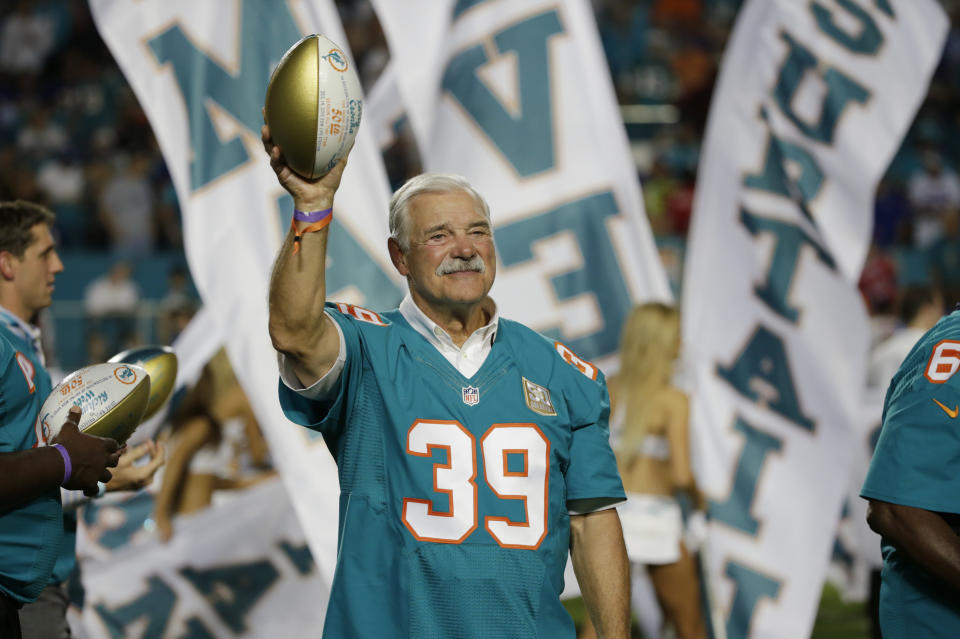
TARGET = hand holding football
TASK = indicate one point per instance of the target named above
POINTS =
(113, 398)
(313, 105)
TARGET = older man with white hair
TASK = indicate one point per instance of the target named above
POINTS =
(472, 452)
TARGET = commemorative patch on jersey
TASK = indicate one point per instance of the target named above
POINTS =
(471, 395)
(537, 398)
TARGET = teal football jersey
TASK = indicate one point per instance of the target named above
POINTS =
(456, 492)
(67, 557)
(31, 535)
(916, 464)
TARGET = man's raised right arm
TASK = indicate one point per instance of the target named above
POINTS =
(299, 328)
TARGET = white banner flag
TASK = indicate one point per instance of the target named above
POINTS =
(239, 569)
(812, 101)
(200, 71)
(516, 96)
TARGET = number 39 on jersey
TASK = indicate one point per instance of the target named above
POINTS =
(457, 478)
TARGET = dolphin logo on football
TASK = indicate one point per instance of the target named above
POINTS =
(45, 427)
(337, 60)
(125, 374)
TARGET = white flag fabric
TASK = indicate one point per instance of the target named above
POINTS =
(384, 109)
(812, 101)
(239, 569)
(856, 551)
(200, 71)
(517, 97)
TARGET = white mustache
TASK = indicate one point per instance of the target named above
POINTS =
(458, 264)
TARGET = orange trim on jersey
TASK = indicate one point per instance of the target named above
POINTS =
(526, 461)
(579, 363)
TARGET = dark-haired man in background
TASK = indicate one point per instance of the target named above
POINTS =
(31, 474)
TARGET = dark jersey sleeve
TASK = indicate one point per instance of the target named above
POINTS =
(917, 457)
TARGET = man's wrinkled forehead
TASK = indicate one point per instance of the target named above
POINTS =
(445, 206)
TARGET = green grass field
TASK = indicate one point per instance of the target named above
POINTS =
(839, 620)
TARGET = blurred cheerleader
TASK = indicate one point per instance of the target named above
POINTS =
(650, 425)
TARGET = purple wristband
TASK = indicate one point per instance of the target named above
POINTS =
(311, 216)
(67, 466)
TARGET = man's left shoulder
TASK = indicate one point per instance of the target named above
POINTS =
(543, 350)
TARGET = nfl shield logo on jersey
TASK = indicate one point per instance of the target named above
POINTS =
(471, 395)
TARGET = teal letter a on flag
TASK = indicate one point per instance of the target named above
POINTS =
(267, 30)
(524, 139)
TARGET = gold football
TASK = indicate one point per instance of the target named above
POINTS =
(113, 397)
(313, 105)
(160, 362)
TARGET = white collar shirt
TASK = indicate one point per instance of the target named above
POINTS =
(27, 332)
(467, 359)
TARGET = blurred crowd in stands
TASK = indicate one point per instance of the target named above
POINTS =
(73, 136)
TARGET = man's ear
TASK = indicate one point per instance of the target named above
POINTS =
(8, 265)
(397, 257)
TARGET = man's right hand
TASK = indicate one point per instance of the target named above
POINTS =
(308, 195)
(90, 456)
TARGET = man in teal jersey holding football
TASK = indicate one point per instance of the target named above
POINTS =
(29, 265)
(473, 453)
(913, 486)
(31, 528)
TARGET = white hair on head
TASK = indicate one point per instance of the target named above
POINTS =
(426, 183)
